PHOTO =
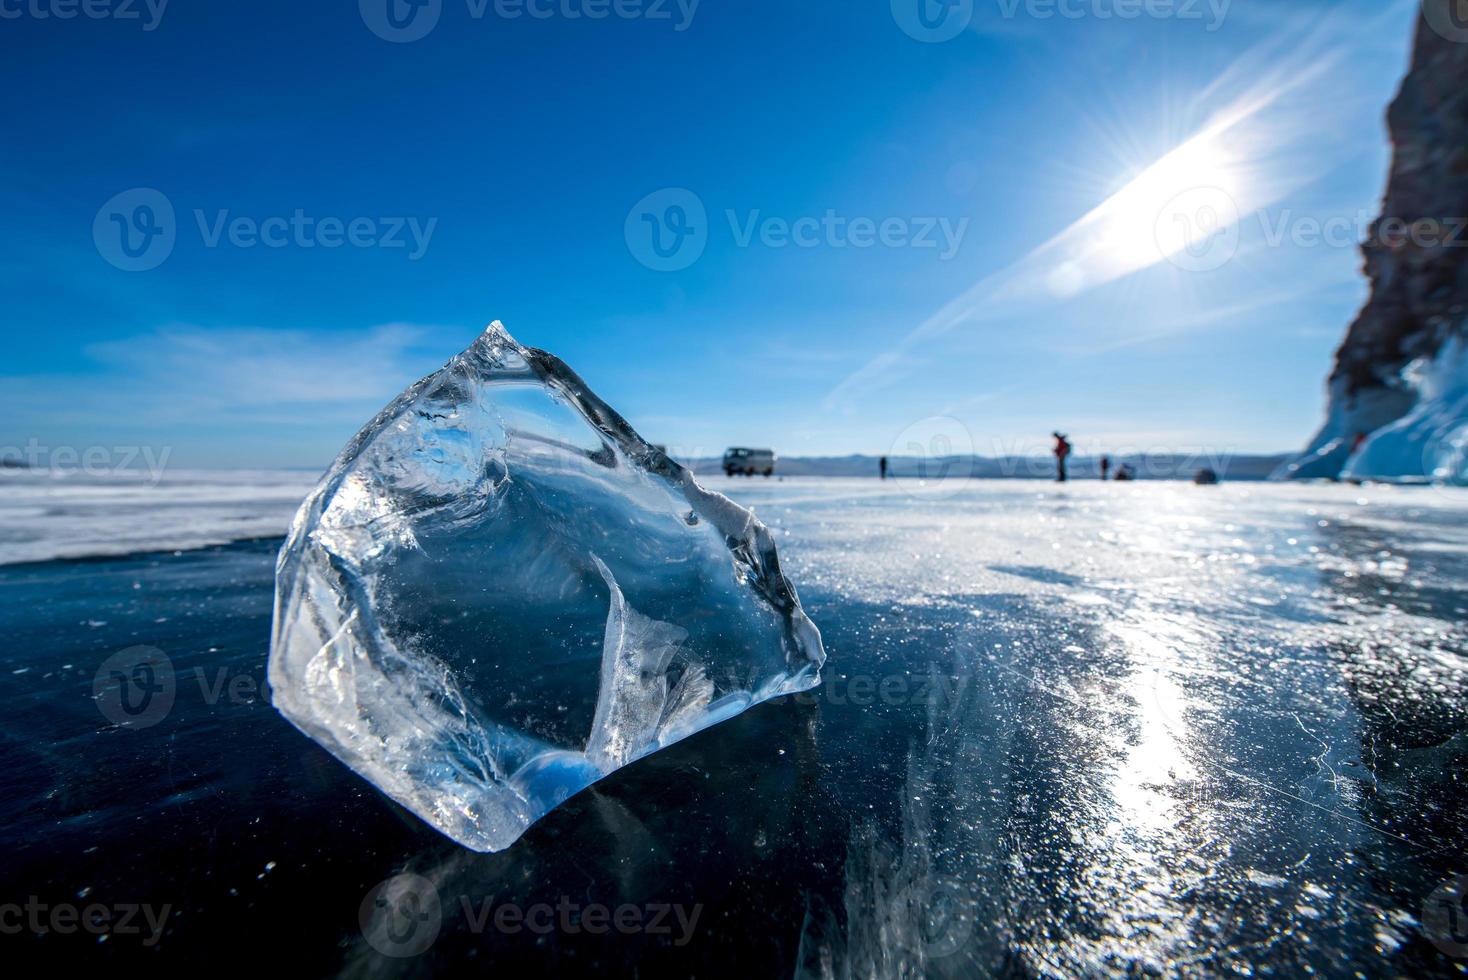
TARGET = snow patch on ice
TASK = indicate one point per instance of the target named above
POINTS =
(54, 514)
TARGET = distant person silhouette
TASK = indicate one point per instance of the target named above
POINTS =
(1105, 467)
(882, 467)
(1062, 451)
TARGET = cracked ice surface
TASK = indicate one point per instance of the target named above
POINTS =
(500, 593)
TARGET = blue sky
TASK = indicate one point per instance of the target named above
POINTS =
(880, 229)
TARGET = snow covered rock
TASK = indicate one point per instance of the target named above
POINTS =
(1391, 394)
(1428, 443)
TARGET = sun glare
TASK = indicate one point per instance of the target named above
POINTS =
(1178, 204)
(1176, 210)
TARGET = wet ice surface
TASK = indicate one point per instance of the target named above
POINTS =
(1206, 727)
(1098, 729)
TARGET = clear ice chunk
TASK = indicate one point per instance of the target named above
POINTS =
(499, 593)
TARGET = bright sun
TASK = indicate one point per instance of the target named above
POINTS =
(1176, 207)
(1179, 203)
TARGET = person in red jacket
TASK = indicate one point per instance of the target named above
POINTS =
(1062, 450)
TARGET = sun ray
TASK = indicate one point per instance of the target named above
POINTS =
(1269, 134)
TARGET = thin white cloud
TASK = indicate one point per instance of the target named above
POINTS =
(237, 368)
(293, 392)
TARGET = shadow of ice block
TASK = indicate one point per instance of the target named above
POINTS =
(499, 593)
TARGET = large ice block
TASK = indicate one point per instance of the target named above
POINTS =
(499, 593)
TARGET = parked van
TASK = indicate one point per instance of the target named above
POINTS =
(748, 462)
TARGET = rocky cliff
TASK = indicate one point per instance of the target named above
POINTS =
(1399, 392)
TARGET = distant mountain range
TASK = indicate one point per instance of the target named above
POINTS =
(1147, 467)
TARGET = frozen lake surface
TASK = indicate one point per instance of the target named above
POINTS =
(1091, 729)
(46, 514)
